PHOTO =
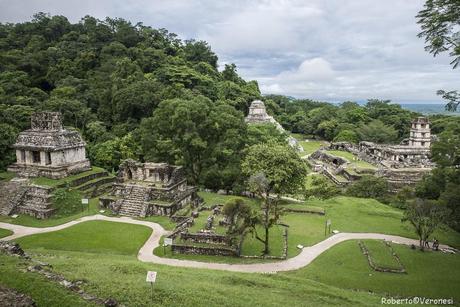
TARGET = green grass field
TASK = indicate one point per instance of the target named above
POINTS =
(218, 199)
(40, 289)
(381, 254)
(353, 159)
(347, 214)
(429, 274)
(332, 279)
(93, 236)
(123, 278)
(310, 146)
(5, 233)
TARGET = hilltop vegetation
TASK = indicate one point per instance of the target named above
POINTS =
(143, 93)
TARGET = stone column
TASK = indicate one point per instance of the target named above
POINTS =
(29, 159)
(19, 157)
(42, 158)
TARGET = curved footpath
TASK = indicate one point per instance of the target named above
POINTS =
(307, 255)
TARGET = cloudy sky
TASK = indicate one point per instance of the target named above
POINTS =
(332, 50)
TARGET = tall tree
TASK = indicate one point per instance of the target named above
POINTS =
(426, 216)
(272, 169)
(440, 23)
(238, 215)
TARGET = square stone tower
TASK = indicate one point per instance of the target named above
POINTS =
(48, 149)
(420, 133)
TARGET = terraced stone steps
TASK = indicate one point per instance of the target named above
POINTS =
(98, 190)
(134, 204)
(94, 182)
(12, 193)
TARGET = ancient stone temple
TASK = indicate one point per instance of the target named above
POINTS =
(144, 189)
(48, 149)
(258, 115)
(414, 152)
(401, 165)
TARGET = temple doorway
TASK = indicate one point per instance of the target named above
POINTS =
(129, 174)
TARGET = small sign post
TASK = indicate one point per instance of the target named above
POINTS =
(85, 201)
(151, 278)
(167, 242)
(328, 224)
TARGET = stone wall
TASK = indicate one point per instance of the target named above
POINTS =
(211, 238)
(329, 158)
(37, 202)
(200, 250)
(377, 268)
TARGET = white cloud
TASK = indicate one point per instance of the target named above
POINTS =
(316, 69)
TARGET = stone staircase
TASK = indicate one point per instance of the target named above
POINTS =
(134, 203)
(12, 194)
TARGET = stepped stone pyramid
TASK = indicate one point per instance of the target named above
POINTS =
(144, 189)
(258, 114)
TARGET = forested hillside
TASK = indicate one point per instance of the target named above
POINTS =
(142, 93)
(106, 76)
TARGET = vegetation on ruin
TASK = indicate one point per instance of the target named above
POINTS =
(67, 180)
(6, 176)
(355, 162)
(27, 220)
(309, 146)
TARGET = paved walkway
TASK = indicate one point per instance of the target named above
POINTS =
(307, 255)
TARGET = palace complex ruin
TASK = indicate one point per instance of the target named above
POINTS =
(258, 115)
(144, 189)
(48, 149)
(401, 165)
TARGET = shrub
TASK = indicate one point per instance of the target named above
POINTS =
(369, 187)
(67, 202)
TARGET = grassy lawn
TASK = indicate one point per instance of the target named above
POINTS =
(253, 247)
(92, 236)
(123, 278)
(353, 159)
(200, 223)
(332, 279)
(5, 233)
(55, 182)
(310, 146)
(40, 289)
(218, 199)
(381, 254)
(164, 221)
(347, 214)
(430, 274)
